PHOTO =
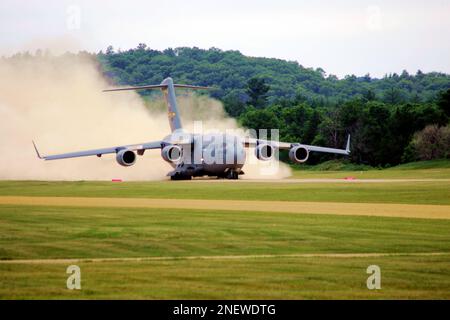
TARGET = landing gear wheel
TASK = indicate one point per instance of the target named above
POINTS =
(180, 177)
(233, 175)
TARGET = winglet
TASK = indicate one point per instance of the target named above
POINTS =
(37, 152)
(347, 147)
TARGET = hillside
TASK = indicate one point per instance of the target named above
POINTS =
(229, 72)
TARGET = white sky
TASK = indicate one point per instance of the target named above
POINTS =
(342, 37)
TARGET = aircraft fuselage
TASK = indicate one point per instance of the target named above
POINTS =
(220, 155)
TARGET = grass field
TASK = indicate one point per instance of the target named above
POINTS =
(436, 169)
(215, 253)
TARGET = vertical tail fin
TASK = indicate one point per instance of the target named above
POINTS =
(171, 101)
(168, 89)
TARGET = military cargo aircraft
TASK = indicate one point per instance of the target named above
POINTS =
(197, 154)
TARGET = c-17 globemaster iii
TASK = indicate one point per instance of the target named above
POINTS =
(198, 154)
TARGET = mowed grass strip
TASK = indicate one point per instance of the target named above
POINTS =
(271, 278)
(405, 192)
(40, 232)
(436, 169)
(338, 208)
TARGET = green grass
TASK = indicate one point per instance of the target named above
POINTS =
(435, 169)
(61, 232)
(432, 164)
(399, 192)
(345, 165)
(39, 232)
(280, 278)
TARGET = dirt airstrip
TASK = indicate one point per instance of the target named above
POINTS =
(336, 208)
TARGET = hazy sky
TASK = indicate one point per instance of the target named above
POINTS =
(342, 37)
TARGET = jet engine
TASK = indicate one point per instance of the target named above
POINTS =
(126, 157)
(264, 152)
(298, 154)
(171, 153)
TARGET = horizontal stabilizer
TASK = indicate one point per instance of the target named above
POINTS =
(159, 86)
(187, 86)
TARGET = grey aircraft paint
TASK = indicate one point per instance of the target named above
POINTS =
(171, 100)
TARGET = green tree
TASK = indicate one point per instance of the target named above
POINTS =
(433, 142)
(257, 90)
(234, 106)
(257, 119)
(312, 127)
(392, 96)
(370, 95)
(444, 102)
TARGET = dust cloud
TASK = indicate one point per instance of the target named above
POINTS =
(58, 102)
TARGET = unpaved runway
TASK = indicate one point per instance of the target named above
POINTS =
(336, 208)
(226, 257)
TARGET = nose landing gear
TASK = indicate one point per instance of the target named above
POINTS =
(178, 176)
(232, 174)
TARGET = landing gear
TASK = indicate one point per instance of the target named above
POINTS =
(178, 176)
(231, 174)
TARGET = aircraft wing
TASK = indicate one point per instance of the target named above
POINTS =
(251, 142)
(288, 145)
(139, 148)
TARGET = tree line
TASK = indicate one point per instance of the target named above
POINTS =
(382, 134)
(229, 72)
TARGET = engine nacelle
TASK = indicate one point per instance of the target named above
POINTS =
(172, 153)
(298, 154)
(264, 152)
(126, 157)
